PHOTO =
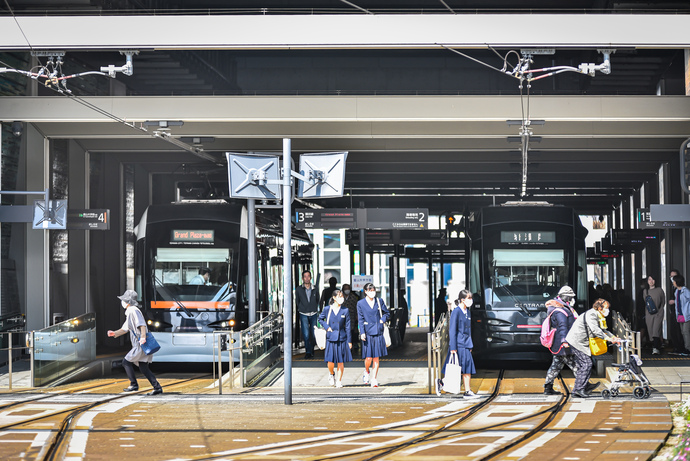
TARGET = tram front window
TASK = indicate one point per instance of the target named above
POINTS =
(525, 276)
(180, 275)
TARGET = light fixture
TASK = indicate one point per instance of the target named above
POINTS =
(17, 129)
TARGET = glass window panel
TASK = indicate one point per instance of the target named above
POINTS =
(331, 240)
(331, 258)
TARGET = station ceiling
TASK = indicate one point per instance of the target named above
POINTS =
(423, 128)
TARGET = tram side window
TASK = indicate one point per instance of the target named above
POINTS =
(582, 277)
(475, 287)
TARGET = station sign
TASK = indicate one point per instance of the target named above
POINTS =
(644, 220)
(399, 237)
(358, 281)
(362, 218)
(94, 219)
(633, 238)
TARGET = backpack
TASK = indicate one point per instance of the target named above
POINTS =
(650, 305)
(547, 333)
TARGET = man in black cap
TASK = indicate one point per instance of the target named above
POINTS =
(136, 326)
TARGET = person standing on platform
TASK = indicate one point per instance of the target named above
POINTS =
(675, 336)
(403, 315)
(683, 308)
(588, 325)
(655, 322)
(372, 314)
(460, 341)
(336, 320)
(136, 327)
(440, 305)
(351, 300)
(327, 292)
(308, 309)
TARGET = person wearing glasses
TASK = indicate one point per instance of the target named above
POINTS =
(372, 314)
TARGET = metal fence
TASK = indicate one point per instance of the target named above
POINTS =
(437, 345)
(633, 343)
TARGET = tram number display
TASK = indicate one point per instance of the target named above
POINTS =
(192, 236)
(528, 237)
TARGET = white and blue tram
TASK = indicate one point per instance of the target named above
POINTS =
(191, 271)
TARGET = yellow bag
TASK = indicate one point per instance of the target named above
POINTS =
(597, 346)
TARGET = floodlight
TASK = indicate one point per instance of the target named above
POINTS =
(254, 176)
(324, 175)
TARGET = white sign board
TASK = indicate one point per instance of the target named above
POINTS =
(358, 281)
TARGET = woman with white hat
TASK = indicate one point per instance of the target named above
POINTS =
(134, 323)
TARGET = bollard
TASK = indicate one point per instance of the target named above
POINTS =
(231, 364)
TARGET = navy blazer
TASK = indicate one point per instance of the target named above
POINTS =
(460, 330)
(339, 323)
(369, 318)
(306, 305)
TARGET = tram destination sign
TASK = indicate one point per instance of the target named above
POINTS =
(362, 218)
(94, 219)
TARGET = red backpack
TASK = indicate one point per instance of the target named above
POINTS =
(547, 333)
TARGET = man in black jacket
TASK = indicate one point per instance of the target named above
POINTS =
(308, 309)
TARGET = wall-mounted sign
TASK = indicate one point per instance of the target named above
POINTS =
(95, 219)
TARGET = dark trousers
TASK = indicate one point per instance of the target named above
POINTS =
(307, 323)
(145, 370)
(584, 370)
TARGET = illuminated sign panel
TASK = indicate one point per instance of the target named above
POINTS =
(528, 237)
(189, 235)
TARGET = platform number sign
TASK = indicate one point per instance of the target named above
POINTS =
(94, 219)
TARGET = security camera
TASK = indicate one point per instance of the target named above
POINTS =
(17, 128)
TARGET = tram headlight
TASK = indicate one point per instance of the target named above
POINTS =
(232, 322)
(150, 322)
(224, 324)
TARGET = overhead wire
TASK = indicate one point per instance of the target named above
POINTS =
(53, 82)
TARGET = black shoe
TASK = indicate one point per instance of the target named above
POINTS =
(309, 356)
(580, 393)
(155, 392)
(549, 390)
(131, 389)
(589, 387)
(439, 387)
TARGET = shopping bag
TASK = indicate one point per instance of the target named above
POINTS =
(452, 381)
(387, 335)
(320, 336)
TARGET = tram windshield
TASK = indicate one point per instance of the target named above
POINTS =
(198, 278)
(529, 277)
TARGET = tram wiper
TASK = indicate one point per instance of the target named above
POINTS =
(517, 301)
(181, 307)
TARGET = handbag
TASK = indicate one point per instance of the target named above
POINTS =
(680, 318)
(386, 333)
(597, 346)
(151, 346)
(320, 333)
(452, 381)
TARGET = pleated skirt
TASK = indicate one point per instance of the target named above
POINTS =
(374, 346)
(465, 361)
(337, 352)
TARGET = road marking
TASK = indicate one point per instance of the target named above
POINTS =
(239, 440)
(197, 446)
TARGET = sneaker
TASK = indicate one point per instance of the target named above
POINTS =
(469, 394)
(130, 389)
(339, 384)
(656, 351)
(439, 387)
(365, 377)
(331, 380)
(374, 383)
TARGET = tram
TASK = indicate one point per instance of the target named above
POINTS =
(520, 255)
(191, 271)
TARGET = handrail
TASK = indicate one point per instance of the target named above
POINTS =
(437, 345)
(11, 350)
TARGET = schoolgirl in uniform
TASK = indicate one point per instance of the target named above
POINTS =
(336, 320)
(372, 313)
(460, 340)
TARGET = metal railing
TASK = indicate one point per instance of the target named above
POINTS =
(621, 329)
(259, 348)
(437, 346)
(16, 344)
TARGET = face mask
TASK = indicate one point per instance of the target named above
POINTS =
(124, 304)
(468, 302)
(371, 294)
(340, 300)
(347, 292)
(605, 312)
(571, 303)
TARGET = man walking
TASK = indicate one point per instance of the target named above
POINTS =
(308, 309)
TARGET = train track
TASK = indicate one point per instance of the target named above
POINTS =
(44, 396)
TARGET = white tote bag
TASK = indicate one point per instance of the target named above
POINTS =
(452, 381)
(386, 333)
(320, 333)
